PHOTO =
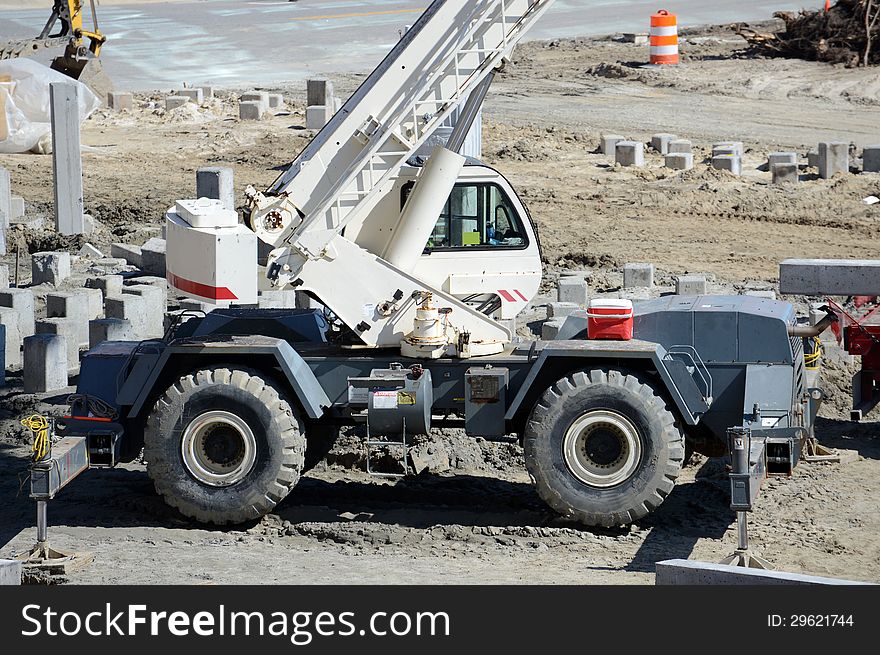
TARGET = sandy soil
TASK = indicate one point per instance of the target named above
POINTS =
(473, 517)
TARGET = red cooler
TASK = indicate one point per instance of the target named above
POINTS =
(610, 319)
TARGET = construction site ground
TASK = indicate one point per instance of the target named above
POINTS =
(473, 516)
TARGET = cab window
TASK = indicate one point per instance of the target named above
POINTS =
(477, 216)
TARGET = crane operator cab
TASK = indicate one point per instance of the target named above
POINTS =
(484, 247)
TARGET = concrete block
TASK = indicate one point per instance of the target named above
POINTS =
(680, 146)
(155, 300)
(173, 102)
(216, 182)
(16, 208)
(21, 300)
(785, 174)
(131, 307)
(66, 158)
(813, 159)
(194, 95)
(608, 143)
(257, 96)
(691, 285)
(95, 301)
(153, 256)
(50, 267)
(630, 153)
(250, 111)
(833, 159)
(870, 160)
(120, 101)
(660, 142)
(817, 313)
(88, 250)
(110, 329)
(45, 363)
(74, 306)
(825, 277)
(561, 309)
(573, 290)
(781, 158)
(550, 329)
(761, 293)
(130, 253)
(109, 285)
(276, 101)
(207, 92)
(730, 163)
(67, 328)
(638, 276)
(736, 146)
(152, 280)
(190, 305)
(687, 572)
(317, 117)
(10, 572)
(12, 337)
(319, 92)
(4, 276)
(683, 161)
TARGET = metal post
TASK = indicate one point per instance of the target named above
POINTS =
(42, 522)
(743, 524)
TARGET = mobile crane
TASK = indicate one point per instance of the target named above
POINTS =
(228, 406)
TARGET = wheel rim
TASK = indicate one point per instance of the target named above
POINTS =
(602, 448)
(218, 448)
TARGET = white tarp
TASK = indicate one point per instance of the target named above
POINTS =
(25, 114)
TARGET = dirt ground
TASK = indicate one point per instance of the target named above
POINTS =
(473, 517)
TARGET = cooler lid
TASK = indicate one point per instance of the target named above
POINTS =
(611, 303)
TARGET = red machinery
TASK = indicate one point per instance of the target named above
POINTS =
(860, 336)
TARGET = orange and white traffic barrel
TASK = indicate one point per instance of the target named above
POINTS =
(664, 38)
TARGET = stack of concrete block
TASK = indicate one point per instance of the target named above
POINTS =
(871, 159)
(660, 142)
(728, 148)
(153, 257)
(833, 159)
(73, 306)
(637, 276)
(130, 253)
(50, 267)
(691, 285)
(120, 101)
(110, 329)
(45, 363)
(193, 95)
(175, 101)
(630, 153)
(320, 103)
(218, 183)
(608, 143)
(252, 106)
(155, 302)
(727, 162)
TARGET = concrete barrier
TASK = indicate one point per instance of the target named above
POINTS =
(830, 277)
(10, 572)
(687, 572)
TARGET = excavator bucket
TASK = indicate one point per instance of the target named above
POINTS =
(88, 70)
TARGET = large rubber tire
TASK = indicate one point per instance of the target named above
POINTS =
(270, 423)
(618, 398)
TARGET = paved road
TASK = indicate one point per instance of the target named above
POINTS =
(229, 42)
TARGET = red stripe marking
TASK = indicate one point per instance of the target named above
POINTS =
(88, 418)
(506, 295)
(519, 293)
(199, 289)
